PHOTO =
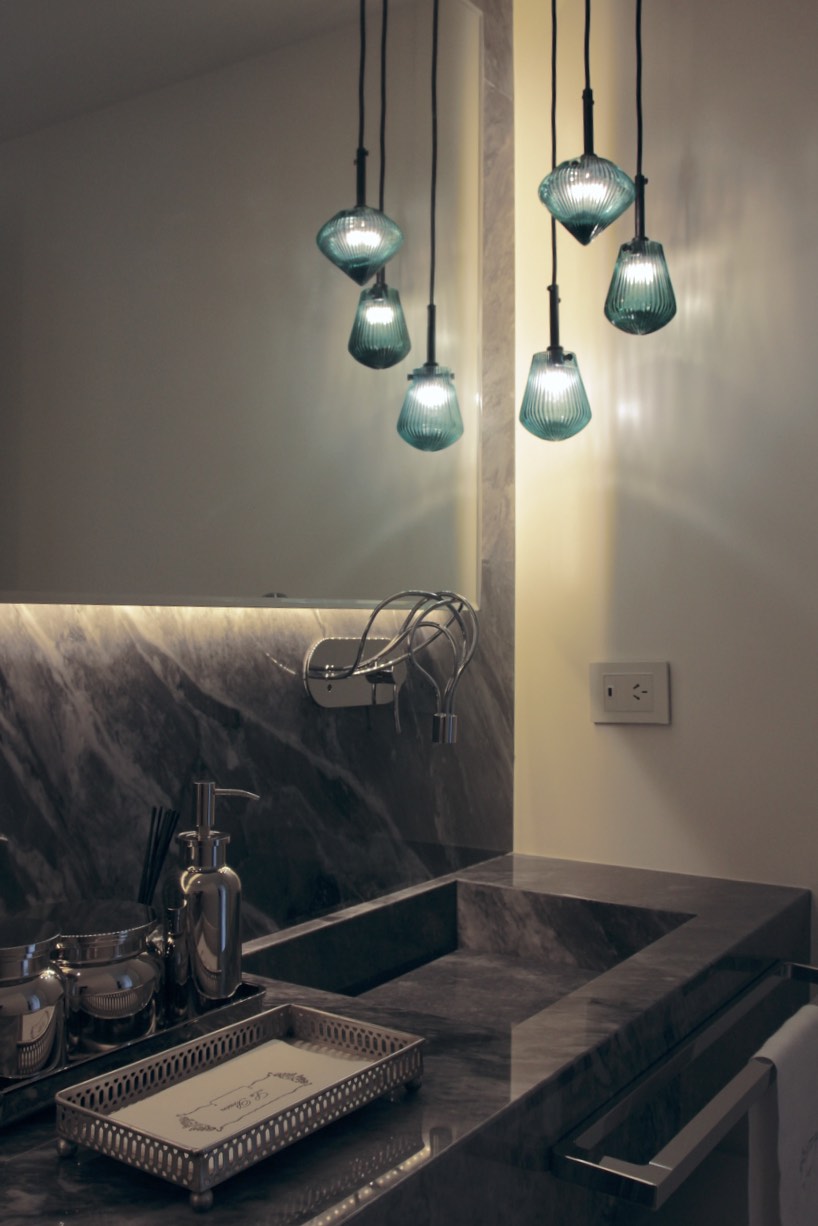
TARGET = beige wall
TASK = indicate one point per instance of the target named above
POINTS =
(683, 523)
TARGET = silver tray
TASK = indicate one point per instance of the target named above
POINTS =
(383, 1059)
(20, 1098)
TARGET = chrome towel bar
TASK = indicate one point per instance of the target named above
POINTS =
(581, 1157)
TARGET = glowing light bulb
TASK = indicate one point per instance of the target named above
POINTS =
(362, 240)
(378, 315)
(431, 395)
(639, 272)
(586, 194)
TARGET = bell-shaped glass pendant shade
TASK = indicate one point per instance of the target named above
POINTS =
(359, 241)
(555, 405)
(586, 195)
(430, 417)
(640, 297)
(379, 336)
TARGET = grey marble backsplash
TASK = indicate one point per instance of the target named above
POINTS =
(107, 711)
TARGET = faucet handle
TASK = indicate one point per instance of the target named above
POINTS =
(206, 794)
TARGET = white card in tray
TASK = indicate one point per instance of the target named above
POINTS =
(222, 1101)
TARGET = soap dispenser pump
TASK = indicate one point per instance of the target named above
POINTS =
(212, 901)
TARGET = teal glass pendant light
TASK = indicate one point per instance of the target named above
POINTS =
(587, 193)
(430, 416)
(360, 240)
(379, 337)
(640, 297)
(555, 404)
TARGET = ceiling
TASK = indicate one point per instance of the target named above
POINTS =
(60, 58)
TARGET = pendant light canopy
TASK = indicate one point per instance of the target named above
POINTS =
(360, 240)
(587, 193)
(555, 405)
(430, 416)
(379, 336)
(640, 298)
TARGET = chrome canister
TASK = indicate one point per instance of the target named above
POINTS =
(112, 972)
(32, 1003)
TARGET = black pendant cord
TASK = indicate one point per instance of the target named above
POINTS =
(639, 207)
(385, 19)
(587, 93)
(380, 277)
(430, 331)
(639, 87)
(361, 155)
(553, 289)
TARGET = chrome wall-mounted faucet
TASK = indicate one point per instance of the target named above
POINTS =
(440, 626)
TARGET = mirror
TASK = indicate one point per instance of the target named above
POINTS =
(181, 420)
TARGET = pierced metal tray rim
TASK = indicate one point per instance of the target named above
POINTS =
(200, 1170)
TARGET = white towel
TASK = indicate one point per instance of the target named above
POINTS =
(783, 1167)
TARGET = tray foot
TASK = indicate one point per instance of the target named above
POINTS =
(399, 1092)
(65, 1149)
(202, 1201)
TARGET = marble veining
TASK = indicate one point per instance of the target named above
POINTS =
(460, 925)
(472, 1144)
(107, 711)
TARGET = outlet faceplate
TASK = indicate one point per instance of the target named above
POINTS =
(630, 693)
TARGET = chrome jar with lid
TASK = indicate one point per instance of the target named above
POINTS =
(112, 972)
(32, 1004)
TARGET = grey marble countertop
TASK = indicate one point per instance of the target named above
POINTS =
(501, 1083)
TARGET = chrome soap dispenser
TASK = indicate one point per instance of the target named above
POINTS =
(212, 902)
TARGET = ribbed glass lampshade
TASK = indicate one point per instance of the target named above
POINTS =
(359, 241)
(555, 405)
(586, 195)
(640, 297)
(430, 417)
(379, 336)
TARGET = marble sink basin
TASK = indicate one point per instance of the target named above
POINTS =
(462, 949)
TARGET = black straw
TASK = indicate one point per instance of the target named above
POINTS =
(162, 825)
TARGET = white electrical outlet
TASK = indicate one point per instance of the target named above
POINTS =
(630, 693)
